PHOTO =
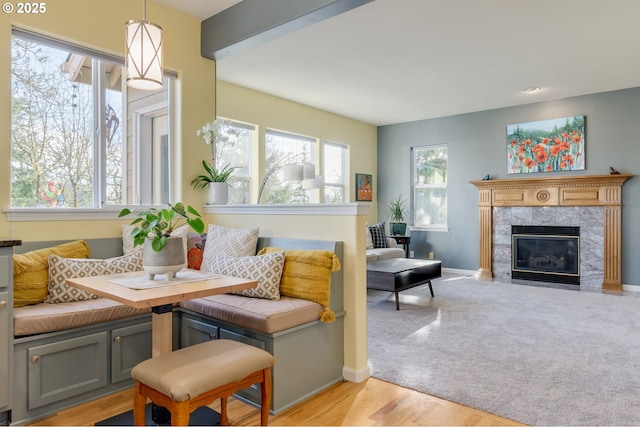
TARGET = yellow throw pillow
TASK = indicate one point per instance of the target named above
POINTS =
(307, 275)
(31, 271)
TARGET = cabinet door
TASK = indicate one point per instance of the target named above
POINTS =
(5, 348)
(193, 332)
(129, 346)
(67, 368)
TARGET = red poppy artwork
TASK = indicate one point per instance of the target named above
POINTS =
(546, 145)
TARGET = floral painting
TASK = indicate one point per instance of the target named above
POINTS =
(546, 145)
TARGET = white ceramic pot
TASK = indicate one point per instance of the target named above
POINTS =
(218, 193)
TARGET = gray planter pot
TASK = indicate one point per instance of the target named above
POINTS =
(169, 260)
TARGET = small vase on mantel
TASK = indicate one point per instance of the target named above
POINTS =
(218, 193)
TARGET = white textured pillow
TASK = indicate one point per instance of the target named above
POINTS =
(266, 269)
(61, 269)
(369, 239)
(127, 240)
(234, 242)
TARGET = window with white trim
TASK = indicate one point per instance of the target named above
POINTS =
(80, 138)
(233, 147)
(429, 186)
(283, 149)
(335, 163)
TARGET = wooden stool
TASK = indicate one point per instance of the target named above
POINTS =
(195, 376)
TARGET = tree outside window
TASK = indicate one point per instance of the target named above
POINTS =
(68, 146)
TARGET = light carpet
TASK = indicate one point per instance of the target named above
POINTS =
(535, 355)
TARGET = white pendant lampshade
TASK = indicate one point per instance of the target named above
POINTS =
(143, 60)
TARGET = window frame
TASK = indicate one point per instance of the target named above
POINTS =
(314, 157)
(415, 186)
(99, 210)
(342, 184)
(238, 177)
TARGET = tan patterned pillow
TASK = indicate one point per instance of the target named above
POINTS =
(234, 242)
(266, 269)
(61, 269)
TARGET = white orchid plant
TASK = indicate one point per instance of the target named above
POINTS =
(218, 134)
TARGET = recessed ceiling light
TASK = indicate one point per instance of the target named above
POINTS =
(532, 89)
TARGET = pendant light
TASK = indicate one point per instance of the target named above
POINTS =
(143, 61)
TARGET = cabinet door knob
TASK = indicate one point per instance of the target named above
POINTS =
(35, 359)
(117, 338)
(3, 304)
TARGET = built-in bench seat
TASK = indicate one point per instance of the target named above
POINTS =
(69, 353)
(42, 318)
(255, 314)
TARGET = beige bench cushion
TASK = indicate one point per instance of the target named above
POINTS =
(191, 371)
(40, 318)
(256, 314)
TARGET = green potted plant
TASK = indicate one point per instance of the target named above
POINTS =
(163, 253)
(397, 212)
(216, 180)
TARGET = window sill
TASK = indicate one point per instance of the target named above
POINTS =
(436, 228)
(66, 214)
(290, 209)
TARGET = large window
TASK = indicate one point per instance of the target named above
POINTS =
(70, 113)
(335, 161)
(283, 149)
(430, 186)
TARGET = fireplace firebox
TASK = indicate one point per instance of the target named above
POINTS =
(546, 253)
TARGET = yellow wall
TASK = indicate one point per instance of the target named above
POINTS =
(266, 111)
(100, 25)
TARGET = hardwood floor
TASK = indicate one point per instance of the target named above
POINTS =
(372, 402)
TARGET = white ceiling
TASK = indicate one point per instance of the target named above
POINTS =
(393, 61)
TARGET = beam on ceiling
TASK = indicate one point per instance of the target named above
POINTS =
(251, 22)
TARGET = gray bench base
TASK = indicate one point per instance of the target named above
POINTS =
(309, 357)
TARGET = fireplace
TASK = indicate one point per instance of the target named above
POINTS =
(546, 253)
(553, 193)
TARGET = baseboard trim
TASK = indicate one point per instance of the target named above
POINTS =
(631, 288)
(459, 271)
(356, 376)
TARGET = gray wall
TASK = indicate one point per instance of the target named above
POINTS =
(477, 146)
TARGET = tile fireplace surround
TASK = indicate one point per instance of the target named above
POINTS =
(592, 202)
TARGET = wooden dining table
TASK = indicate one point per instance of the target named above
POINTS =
(160, 296)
